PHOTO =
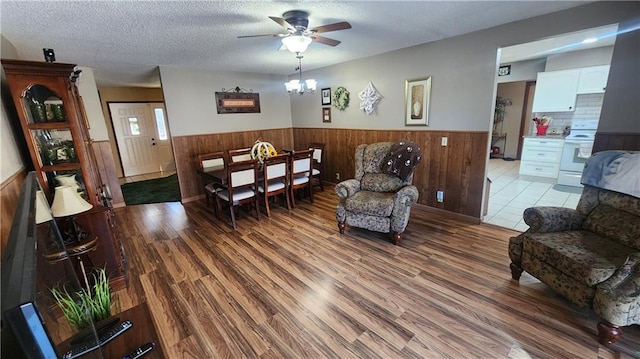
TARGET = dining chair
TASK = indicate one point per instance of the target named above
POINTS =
(242, 182)
(275, 180)
(301, 163)
(211, 160)
(318, 163)
(239, 155)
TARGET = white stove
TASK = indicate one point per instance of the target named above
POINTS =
(577, 148)
(582, 131)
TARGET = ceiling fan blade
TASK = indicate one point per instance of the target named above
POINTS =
(282, 22)
(325, 40)
(273, 35)
(332, 27)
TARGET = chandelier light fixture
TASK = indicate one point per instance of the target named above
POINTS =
(296, 43)
(298, 86)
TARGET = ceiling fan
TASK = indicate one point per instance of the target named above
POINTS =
(298, 35)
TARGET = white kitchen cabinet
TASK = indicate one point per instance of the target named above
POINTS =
(556, 91)
(541, 157)
(593, 79)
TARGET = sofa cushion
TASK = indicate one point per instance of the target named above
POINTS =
(373, 156)
(618, 225)
(371, 203)
(583, 255)
(381, 182)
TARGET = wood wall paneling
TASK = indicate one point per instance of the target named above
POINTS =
(616, 141)
(9, 193)
(187, 148)
(457, 169)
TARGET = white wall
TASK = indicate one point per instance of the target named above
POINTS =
(92, 107)
(191, 103)
(463, 70)
(523, 70)
(11, 160)
(576, 59)
(454, 75)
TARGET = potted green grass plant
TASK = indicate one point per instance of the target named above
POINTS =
(91, 304)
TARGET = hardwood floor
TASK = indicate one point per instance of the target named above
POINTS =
(291, 286)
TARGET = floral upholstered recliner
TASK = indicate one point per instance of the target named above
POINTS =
(591, 255)
(380, 196)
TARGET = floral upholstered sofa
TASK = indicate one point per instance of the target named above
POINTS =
(591, 254)
(380, 196)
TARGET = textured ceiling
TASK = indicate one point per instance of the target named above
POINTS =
(125, 41)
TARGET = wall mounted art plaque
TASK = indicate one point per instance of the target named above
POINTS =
(236, 101)
(417, 94)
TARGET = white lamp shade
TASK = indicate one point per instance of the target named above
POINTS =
(43, 214)
(67, 202)
(311, 84)
(293, 85)
(296, 43)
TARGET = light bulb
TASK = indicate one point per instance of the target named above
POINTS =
(296, 43)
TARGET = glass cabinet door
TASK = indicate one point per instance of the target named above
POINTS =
(54, 146)
(43, 105)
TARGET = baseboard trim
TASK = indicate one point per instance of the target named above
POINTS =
(192, 198)
(119, 205)
(457, 216)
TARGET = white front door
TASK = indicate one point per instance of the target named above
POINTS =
(163, 140)
(143, 137)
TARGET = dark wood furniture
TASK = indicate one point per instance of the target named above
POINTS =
(238, 155)
(143, 331)
(318, 163)
(301, 164)
(55, 129)
(240, 189)
(211, 160)
(275, 180)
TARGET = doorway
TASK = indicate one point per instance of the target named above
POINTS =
(142, 137)
(509, 193)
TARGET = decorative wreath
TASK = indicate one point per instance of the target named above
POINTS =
(262, 150)
(341, 98)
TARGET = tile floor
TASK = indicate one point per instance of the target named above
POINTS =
(146, 176)
(509, 195)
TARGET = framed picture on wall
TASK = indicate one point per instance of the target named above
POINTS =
(237, 102)
(417, 93)
(326, 114)
(326, 96)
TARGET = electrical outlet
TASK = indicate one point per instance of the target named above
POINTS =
(440, 196)
(445, 140)
(337, 175)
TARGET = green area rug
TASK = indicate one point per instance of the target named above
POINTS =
(152, 191)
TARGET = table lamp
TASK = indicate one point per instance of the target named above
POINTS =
(67, 203)
(43, 214)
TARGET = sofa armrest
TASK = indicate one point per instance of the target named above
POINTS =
(347, 188)
(552, 219)
(626, 279)
(617, 299)
(407, 196)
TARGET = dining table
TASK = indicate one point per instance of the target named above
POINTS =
(218, 174)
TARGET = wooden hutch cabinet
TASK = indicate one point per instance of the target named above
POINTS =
(56, 131)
